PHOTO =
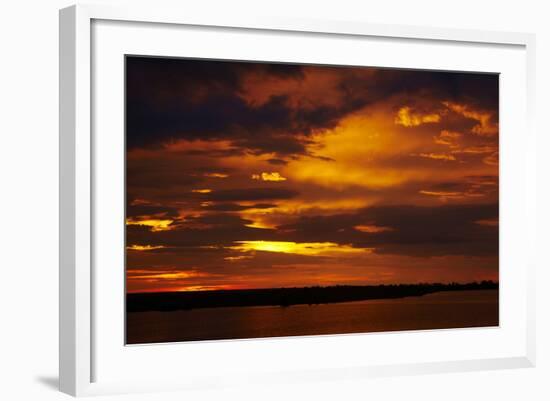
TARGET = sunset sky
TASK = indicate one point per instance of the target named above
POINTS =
(255, 175)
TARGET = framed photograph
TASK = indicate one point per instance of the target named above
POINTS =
(272, 200)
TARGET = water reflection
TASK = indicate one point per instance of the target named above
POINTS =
(454, 309)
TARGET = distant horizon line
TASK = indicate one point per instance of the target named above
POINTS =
(491, 282)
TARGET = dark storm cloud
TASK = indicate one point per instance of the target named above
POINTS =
(163, 172)
(251, 194)
(150, 210)
(235, 207)
(478, 90)
(217, 232)
(278, 162)
(171, 99)
(410, 230)
(218, 261)
(447, 186)
(219, 219)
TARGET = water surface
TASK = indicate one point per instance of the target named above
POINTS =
(441, 310)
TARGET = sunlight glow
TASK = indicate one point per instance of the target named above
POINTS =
(273, 176)
(408, 118)
(261, 224)
(155, 224)
(144, 247)
(166, 276)
(203, 288)
(299, 248)
(441, 193)
(236, 258)
(216, 175)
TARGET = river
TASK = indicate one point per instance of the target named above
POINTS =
(441, 310)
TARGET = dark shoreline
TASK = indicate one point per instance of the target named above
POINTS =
(285, 297)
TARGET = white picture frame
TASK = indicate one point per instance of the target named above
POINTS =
(78, 163)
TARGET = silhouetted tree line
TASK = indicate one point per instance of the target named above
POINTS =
(284, 297)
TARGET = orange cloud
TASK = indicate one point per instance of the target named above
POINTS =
(164, 274)
(408, 118)
(200, 288)
(477, 149)
(144, 247)
(169, 279)
(352, 152)
(139, 202)
(448, 138)
(443, 195)
(436, 156)
(440, 193)
(299, 248)
(492, 159)
(259, 223)
(485, 126)
(317, 86)
(273, 176)
(216, 175)
(155, 224)
(197, 145)
(488, 222)
(472, 192)
(371, 228)
(236, 258)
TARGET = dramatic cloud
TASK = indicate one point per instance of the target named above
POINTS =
(274, 108)
(254, 175)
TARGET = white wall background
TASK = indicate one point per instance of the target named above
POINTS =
(29, 186)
